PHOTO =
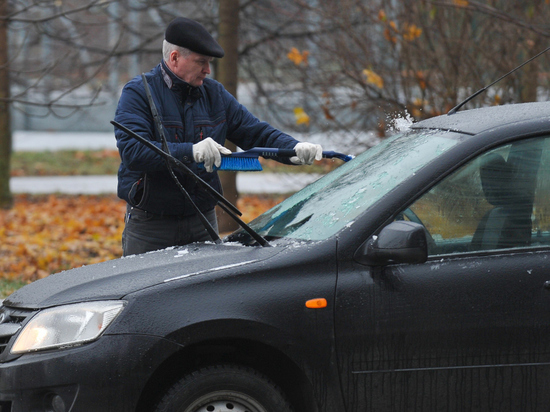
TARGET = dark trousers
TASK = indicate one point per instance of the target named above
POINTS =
(145, 231)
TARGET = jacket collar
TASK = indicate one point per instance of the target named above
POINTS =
(177, 85)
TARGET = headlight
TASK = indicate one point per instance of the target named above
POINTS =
(67, 325)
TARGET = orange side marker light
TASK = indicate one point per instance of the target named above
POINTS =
(317, 303)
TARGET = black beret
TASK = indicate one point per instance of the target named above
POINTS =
(191, 35)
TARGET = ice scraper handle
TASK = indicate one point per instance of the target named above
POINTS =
(270, 153)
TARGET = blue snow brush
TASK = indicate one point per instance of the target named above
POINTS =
(248, 160)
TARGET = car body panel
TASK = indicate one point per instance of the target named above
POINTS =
(92, 377)
(458, 324)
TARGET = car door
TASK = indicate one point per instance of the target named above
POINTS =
(470, 328)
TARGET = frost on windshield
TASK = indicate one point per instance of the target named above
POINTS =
(331, 203)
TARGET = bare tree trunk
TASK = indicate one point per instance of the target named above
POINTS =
(6, 199)
(530, 74)
(530, 82)
(227, 75)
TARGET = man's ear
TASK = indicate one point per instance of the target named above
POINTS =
(174, 57)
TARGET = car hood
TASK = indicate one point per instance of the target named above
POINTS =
(116, 278)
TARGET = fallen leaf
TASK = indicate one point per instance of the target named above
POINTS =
(41, 235)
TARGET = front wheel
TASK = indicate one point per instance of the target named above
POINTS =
(224, 388)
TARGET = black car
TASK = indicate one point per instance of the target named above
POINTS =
(414, 277)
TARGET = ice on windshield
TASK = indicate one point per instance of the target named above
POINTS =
(331, 203)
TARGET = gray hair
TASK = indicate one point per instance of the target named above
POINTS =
(168, 48)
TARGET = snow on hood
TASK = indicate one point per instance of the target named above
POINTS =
(116, 278)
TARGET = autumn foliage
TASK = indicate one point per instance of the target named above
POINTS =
(41, 235)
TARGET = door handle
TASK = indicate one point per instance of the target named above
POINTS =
(547, 284)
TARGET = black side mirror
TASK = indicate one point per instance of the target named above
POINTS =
(399, 242)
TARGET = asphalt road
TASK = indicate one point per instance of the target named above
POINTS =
(247, 182)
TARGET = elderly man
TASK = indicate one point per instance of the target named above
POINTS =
(198, 114)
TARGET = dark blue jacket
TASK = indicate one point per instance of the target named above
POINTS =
(188, 114)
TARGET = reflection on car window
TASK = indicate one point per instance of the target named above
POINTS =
(335, 201)
(499, 200)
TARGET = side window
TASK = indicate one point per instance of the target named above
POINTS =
(499, 200)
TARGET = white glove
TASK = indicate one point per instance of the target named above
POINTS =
(306, 153)
(209, 152)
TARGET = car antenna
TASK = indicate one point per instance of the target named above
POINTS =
(458, 106)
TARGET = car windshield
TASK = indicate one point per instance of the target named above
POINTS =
(333, 202)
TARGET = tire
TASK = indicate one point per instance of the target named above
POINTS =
(224, 388)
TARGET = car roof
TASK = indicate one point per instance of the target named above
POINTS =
(476, 121)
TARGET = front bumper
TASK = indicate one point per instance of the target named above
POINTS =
(106, 375)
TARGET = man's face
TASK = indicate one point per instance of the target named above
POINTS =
(192, 69)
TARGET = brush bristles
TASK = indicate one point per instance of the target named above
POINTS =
(240, 164)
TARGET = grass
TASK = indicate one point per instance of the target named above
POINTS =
(65, 163)
(106, 162)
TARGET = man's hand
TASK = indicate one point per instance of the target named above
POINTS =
(306, 153)
(209, 152)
